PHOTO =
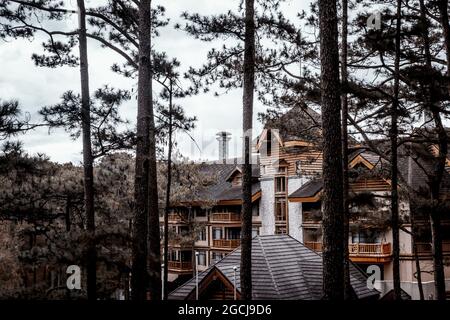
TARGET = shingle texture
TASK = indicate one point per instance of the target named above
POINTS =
(222, 189)
(282, 269)
(309, 189)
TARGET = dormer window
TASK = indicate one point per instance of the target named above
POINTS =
(269, 143)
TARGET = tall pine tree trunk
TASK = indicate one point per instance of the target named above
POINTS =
(88, 160)
(168, 186)
(154, 236)
(345, 184)
(439, 166)
(333, 227)
(249, 85)
(435, 219)
(139, 279)
(394, 168)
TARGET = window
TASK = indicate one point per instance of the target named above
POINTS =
(200, 212)
(269, 143)
(201, 258)
(183, 231)
(255, 232)
(366, 236)
(280, 209)
(280, 184)
(280, 230)
(217, 233)
(255, 210)
(216, 256)
(202, 234)
(173, 255)
(234, 233)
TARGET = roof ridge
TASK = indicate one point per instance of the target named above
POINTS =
(206, 271)
(269, 267)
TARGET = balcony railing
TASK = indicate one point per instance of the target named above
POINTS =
(358, 249)
(180, 265)
(226, 243)
(311, 217)
(226, 217)
(426, 247)
(175, 217)
(369, 249)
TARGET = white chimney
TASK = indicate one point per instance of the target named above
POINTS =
(223, 137)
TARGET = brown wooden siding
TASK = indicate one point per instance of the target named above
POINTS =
(372, 184)
(311, 160)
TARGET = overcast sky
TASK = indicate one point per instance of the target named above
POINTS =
(37, 87)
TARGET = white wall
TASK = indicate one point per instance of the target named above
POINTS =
(266, 207)
(411, 288)
(295, 210)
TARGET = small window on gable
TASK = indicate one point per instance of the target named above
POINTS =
(269, 143)
(266, 147)
(237, 179)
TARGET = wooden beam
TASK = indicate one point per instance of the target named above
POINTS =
(360, 159)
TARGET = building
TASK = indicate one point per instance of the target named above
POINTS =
(217, 228)
(284, 269)
(287, 200)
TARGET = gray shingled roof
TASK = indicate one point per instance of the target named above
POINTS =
(222, 189)
(309, 189)
(282, 269)
(235, 192)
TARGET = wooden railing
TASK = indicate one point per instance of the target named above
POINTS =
(311, 217)
(180, 265)
(369, 249)
(425, 247)
(358, 249)
(226, 243)
(225, 217)
(175, 217)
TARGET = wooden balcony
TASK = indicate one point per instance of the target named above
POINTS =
(361, 252)
(225, 217)
(228, 244)
(180, 266)
(425, 248)
(311, 217)
(174, 217)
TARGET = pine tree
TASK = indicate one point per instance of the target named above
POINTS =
(249, 84)
(333, 228)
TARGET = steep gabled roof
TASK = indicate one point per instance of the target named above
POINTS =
(222, 189)
(299, 123)
(235, 192)
(308, 190)
(282, 269)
